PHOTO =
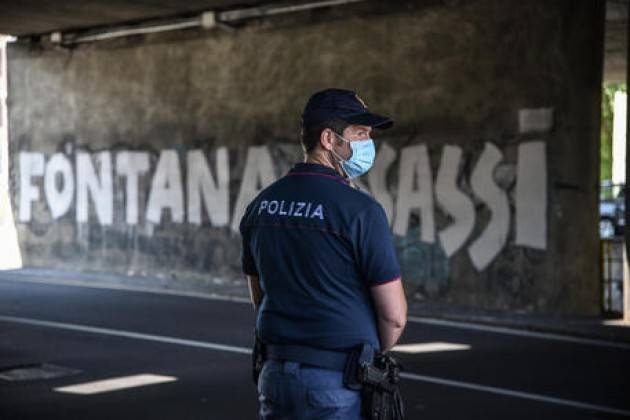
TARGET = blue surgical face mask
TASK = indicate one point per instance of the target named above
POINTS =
(363, 154)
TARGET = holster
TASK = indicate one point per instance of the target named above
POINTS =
(380, 392)
(357, 359)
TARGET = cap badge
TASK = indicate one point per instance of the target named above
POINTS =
(360, 100)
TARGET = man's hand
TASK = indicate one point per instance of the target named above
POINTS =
(391, 312)
(255, 291)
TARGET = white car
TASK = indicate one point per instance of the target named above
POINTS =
(612, 210)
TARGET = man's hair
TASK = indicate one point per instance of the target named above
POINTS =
(311, 134)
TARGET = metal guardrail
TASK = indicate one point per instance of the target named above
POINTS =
(612, 275)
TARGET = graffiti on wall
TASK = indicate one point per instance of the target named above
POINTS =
(185, 187)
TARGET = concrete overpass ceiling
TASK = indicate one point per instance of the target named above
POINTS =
(616, 41)
(32, 17)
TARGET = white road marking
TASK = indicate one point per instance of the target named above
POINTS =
(126, 288)
(429, 347)
(115, 384)
(126, 334)
(243, 350)
(617, 322)
(516, 394)
(519, 332)
(412, 319)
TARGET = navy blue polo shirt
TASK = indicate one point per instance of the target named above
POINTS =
(318, 246)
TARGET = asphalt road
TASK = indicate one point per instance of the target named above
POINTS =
(202, 346)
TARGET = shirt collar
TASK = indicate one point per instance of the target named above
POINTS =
(316, 169)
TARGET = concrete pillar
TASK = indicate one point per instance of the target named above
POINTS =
(626, 287)
(11, 256)
(626, 279)
(4, 158)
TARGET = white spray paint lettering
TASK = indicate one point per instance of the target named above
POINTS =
(531, 195)
(488, 245)
(415, 191)
(203, 187)
(59, 200)
(453, 202)
(131, 165)
(208, 187)
(166, 189)
(99, 187)
(31, 165)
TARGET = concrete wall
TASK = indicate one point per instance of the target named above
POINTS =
(139, 155)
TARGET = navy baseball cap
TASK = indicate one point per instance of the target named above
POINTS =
(343, 104)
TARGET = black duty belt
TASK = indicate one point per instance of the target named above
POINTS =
(326, 359)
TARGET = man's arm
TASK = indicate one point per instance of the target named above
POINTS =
(255, 292)
(391, 312)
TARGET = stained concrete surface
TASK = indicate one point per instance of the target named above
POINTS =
(452, 75)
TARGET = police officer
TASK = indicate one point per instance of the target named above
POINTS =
(321, 265)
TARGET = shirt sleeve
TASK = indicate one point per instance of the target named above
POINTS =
(247, 259)
(375, 247)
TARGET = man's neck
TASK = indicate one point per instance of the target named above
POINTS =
(324, 160)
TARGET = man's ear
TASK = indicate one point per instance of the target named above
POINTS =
(326, 139)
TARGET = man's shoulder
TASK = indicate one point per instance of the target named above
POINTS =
(270, 189)
(277, 186)
(361, 200)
